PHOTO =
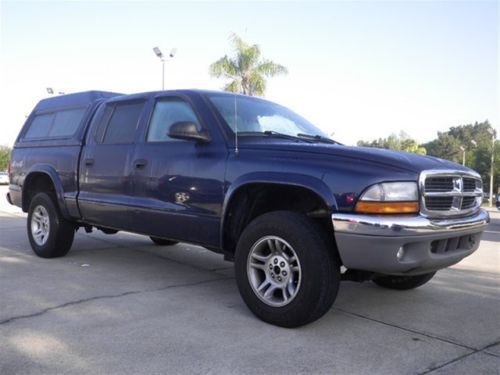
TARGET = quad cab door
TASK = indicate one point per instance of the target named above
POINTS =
(107, 164)
(178, 184)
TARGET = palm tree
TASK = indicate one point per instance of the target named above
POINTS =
(247, 71)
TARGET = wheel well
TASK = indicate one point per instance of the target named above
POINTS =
(37, 182)
(254, 200)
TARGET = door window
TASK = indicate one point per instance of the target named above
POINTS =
(123, 123)
(165, 114)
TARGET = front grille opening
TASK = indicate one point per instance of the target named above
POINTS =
(450, 193)
(439, 203)
(468, 202)
(438, 184)
(453, 244)
(469, 184)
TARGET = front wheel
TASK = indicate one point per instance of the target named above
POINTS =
(50, 235)
(286, 270)
(403, 282)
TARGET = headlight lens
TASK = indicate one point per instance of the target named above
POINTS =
(389, 198)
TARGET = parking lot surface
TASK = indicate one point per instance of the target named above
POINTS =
(117, 304)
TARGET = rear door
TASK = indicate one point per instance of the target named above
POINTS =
(106, 166)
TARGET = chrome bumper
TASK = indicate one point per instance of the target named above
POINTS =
(406, 245)
(405, 226)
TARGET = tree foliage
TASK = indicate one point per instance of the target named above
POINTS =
(401, 142)
(246, 71)
(4, 157)
(476, 141)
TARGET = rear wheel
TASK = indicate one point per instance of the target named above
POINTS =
(286, 271)
(162, 242)
(50, 235)
(403, 282)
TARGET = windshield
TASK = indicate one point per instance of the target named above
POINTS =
(254, 115)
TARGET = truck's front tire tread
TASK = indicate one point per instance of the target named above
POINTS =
(319, 266)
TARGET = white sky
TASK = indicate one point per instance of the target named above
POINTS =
(362, 70)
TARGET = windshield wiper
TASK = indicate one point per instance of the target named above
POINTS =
(272, 133)
(318, 138)
(283, 135)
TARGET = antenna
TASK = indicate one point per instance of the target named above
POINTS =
(236, 151)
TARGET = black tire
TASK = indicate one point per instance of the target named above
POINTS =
(403, 282)
(162, 242)
(60, 233)
(320, 271)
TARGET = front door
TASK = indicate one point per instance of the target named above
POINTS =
(179, 185)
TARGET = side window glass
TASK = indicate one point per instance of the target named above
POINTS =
(166, 113)
(40, 126)
(123, 123)
(56, 124)
(101, 120)
(66, 122)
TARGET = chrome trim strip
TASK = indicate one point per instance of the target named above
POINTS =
(391, 226)
(475, 193)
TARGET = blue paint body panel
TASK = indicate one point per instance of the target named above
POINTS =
(181, 189)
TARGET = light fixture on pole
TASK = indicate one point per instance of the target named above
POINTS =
(492, 132)
(474, 143)
(158, 53)
(51, 91)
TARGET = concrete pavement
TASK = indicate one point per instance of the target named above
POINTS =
(117, 304)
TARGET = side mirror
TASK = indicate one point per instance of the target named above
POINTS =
(188, 131)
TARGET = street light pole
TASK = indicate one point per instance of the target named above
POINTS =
(163, 74)
(474, 143)
(492, 132)
(162, 58)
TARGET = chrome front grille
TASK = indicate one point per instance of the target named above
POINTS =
(449, 193)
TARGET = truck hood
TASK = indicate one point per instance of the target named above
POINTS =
(395, 159)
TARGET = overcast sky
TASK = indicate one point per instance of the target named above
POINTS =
(362, 70)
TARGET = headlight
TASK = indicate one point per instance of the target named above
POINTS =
(389, 198)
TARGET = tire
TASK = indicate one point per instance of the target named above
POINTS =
(50, 235)
(403, 282)
(162, 242)
(308, 284)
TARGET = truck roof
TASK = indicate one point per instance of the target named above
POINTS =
(78, 99)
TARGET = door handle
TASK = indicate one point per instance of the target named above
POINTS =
(141, 163)
(89, 162)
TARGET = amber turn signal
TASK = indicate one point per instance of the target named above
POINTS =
(386, 207)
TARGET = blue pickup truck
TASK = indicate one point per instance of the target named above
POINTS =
(296, 211)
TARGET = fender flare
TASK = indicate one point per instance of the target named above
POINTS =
(56, 182)
(314, 184)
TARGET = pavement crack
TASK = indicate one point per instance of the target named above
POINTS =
(448, 341)
(109, 296)
(461, 357)
(432, 369)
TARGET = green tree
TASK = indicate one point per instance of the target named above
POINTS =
(4, 157)
(246, 71)
(401, 142)
(476, 141)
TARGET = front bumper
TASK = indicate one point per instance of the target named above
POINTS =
(405, 245)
